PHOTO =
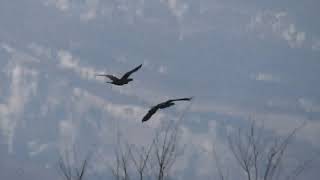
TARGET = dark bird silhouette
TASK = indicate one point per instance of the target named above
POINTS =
(123, 80)
(162, 105)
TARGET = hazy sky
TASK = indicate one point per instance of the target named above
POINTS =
(239, 59)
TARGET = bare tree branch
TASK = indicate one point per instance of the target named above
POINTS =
(258, 158)
(70, 171)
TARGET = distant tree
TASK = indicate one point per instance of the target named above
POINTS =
(152, 161)
(166, 149)
(261, 158)
(70, 170)
(140, 158)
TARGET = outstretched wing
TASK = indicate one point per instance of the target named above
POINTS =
(180, 99)
(151, 112)
(126, 75)
(111, 77)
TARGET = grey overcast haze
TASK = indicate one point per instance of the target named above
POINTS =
(240, 60)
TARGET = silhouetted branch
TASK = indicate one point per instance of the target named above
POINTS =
(257, 157)
(155, 159)
(158, 157)
(121, 169)
(222, 176)
(166, 150)
(141, 161)
(71, 171)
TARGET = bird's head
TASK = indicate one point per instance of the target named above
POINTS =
(144, 119)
